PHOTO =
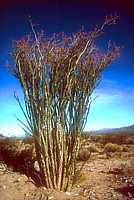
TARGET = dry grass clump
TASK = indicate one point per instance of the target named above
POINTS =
(110, 147)
(80, 177)
(83, 155)
(115, 138)
(16, 154)
(124, 168)
(28, 140)
(92, 148)
(128, 167)
(126, 149)
(130, 140)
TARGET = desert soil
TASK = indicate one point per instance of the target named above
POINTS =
(101, 179)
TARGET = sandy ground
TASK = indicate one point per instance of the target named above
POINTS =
(102, 179)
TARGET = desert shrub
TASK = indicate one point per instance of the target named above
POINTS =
(92, 148)
(112, 148)
(96, 138)
(79, 177)
(1, 157)
(130, 140)
(85, 136)
(28, 140)
(15, 153)
(115, 138)
(9, 141)
(9, 147)
(125, 168)
(125, 149)
(83, 155)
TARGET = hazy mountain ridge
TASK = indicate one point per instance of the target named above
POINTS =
(1, 136)
(126, 129)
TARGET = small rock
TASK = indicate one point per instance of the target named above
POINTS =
(85, 192)
(19, 179)
(24, 176)
(36, 166)
(130, 195)
(4, 187)
(68, 193)
(91, 170)
(44, 188)
(75, 194)
(27, 194)
(50, 197)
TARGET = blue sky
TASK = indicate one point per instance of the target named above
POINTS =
(114, 104)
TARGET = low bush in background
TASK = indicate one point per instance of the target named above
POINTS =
(83, 155)
(112, 148)
(92, 148)
(115, 138)
(17, 154)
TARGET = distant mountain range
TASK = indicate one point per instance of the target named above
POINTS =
(126, 129)
(2, 136)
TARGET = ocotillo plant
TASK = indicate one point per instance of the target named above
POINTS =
(57, 76)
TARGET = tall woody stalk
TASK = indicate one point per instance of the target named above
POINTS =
(57, 76)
